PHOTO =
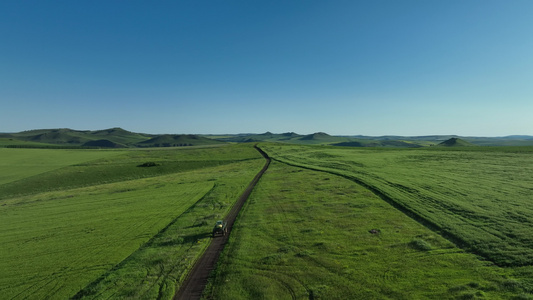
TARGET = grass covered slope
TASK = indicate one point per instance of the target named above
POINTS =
(479, 197)
(54, 243)
(65, 136)
(63, 229)
(455, 142)
(312, 235)
(113, 166)
(16, 164)
(169, 140)
(155, 270)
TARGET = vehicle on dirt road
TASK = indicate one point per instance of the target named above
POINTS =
(220, 228)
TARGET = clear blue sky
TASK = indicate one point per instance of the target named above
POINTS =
(342, 67)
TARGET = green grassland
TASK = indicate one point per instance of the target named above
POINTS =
(29, 166)
(14, 143)
(478, 197)
(305, 234)
(109, 228)
(323, 223)
(55, 243)
(153, 271)
(17, 164)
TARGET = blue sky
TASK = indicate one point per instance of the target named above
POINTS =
(341, 67)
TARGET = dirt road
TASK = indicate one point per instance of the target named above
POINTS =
(194, 284)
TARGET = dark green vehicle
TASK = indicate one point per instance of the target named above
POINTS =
(220, 228)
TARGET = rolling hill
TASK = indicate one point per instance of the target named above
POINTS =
(262, 137)
(379, 143)
(120, 138)
(455, 142)
(178, 140)
(107, 138)
(102, 144)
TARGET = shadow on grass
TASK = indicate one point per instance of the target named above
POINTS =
(177, 241)
(183, 240)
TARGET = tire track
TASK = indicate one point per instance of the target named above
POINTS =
(194, 284)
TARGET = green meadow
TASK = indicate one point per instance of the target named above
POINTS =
(22, 163)
(306, 234)
(479, 198)
(323, 223)
(64, 236)
(28, 171)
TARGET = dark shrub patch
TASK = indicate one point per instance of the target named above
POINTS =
(420, 244)
(148, 164)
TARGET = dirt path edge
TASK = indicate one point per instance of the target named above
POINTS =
(196, 280)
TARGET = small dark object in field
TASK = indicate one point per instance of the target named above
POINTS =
(148, 164)
(375, 231)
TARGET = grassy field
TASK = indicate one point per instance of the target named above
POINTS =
(17, 164)
(10, 142)
(313, 235)
(480, 198)
(121, 230)
(323, 223)
(38, 170)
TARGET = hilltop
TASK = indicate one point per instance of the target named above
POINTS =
(455, 142)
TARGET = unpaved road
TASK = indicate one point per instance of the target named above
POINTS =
(194, 284)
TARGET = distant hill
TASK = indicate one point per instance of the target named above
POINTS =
(518, 137)
(262, 137)
(455, 142)
(321, 138)
(316, 136)
(290, 134)
(378, 143)
(120, 138)
(103, 144)
(350, 144)
(54, 136)
(168, 140)
(108, 138)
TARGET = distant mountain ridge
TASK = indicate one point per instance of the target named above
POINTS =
(120, 138)
(107, 138)
(373, 141)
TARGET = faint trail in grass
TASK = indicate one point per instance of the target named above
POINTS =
(478, 200)
(378, 192)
